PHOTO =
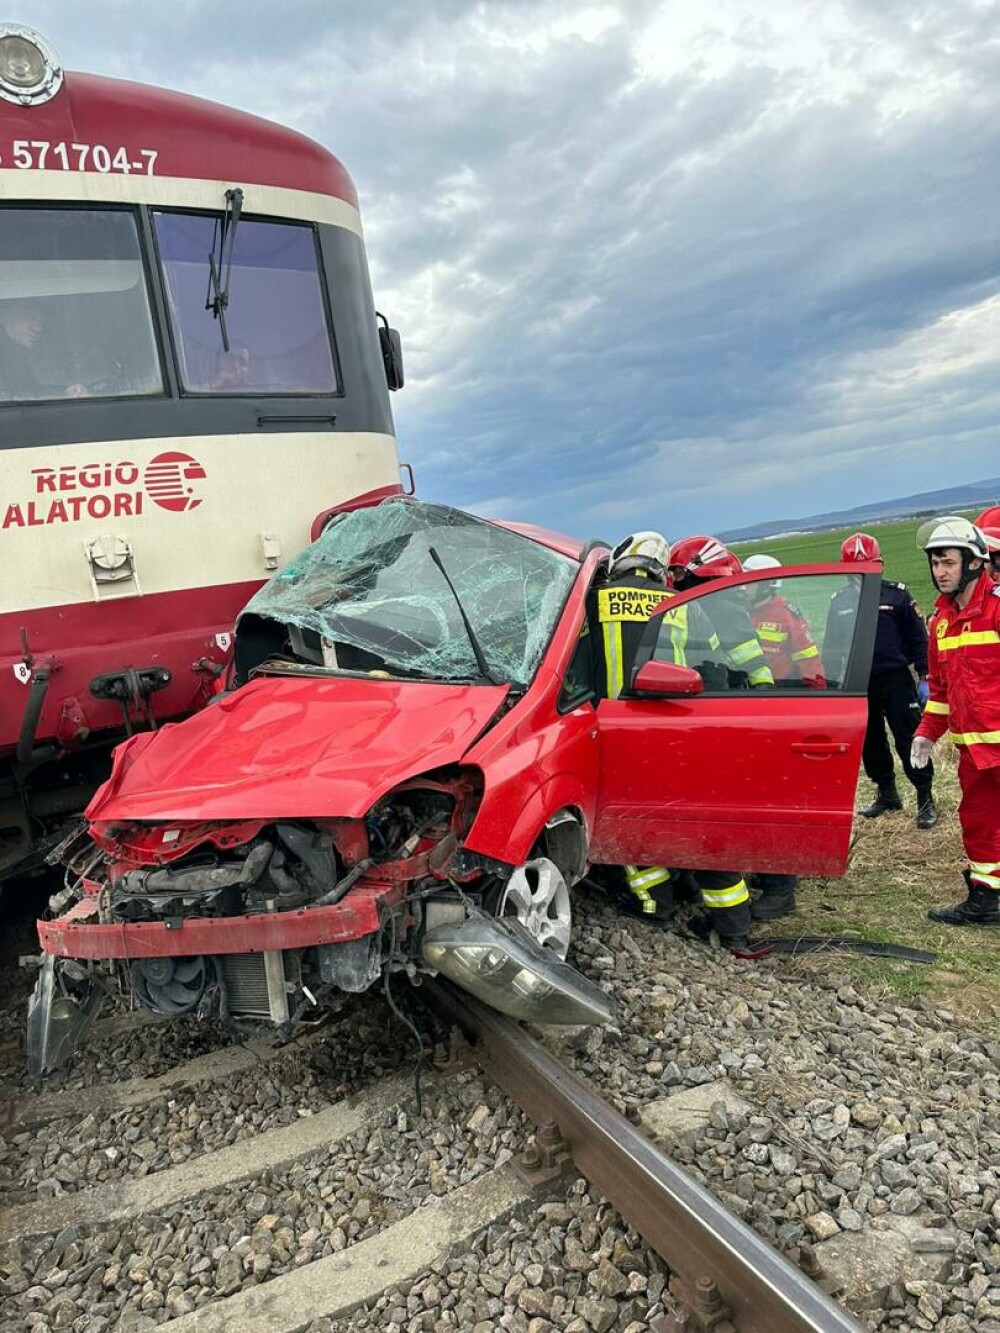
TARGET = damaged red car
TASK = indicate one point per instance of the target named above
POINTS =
(413, 769)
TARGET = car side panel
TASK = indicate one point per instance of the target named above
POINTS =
(753, 781)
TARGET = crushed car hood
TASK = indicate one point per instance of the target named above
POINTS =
(281, 749)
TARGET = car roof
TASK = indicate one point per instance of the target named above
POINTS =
(555, 541)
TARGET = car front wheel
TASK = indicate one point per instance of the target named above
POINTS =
(536, 893)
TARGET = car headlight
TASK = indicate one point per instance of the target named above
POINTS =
(500, 963)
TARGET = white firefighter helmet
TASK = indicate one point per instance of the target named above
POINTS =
(953, 532)
(753, 562)
(762, 591)
(648, 551)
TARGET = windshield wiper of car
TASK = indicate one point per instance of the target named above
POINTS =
(477, 650)
(218, 286)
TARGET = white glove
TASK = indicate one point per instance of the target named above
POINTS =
(920, 751)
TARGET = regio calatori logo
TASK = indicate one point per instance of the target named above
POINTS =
(96, 491)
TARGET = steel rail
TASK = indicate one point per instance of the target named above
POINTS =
(701, 1242)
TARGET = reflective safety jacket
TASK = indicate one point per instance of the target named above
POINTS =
(743, 652)
(617, 612)
(964, 674)
(787, 641)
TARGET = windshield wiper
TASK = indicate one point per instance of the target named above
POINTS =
(218, 286)
(477, 651)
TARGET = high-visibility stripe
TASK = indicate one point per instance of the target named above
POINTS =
(762, 676)
(744, 652)
(772, 635)
(731, 897)
(678, 622)
(646, 877)
(986, 872)
(613, 659)
(974, 737)
(803, 653)
(970, 639)
(932, 706)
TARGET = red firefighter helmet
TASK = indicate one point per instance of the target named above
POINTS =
(704, 558)
(859, 546)
(988, 524)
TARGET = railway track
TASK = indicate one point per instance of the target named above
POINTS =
(304, 1223)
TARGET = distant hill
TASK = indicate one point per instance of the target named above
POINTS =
(971, 495)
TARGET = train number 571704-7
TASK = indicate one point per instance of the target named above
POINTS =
(41, 155)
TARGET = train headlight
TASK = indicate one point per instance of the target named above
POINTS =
(30, 71)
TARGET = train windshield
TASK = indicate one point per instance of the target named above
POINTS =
(279, 340)
(75, 318)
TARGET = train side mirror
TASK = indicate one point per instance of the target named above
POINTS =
(392, 353)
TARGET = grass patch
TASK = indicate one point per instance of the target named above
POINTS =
(896, 873)
(904, 561)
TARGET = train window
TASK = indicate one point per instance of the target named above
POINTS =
(75, 318)
(279, 342)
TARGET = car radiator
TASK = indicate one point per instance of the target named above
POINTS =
(257, 985)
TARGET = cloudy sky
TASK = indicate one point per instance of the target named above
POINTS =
(685, 264)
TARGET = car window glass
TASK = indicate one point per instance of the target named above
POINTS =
(578, 683)
(75, 319)
(369, 594)
(792, 633)
(279, 342)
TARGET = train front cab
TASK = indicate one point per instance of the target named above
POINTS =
(191, 372)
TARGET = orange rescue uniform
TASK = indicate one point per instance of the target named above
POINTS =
(787, 641)
(964, 679)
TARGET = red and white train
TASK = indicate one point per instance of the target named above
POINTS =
(192, 375)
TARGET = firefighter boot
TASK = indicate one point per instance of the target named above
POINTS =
(981, 908)
(777, 897)
(886, 800)
(927, 815)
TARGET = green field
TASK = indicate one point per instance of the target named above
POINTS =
(903, 560)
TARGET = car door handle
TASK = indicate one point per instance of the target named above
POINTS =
(819, 749)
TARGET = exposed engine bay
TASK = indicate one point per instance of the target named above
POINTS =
(431, 907)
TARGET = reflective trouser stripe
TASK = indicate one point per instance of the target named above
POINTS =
(646, 877)
(803, 653)
(613, 659)
(762, 676)
(730, 897)
(641, 879)
(975, 737)
(932, 706)
(985, 872)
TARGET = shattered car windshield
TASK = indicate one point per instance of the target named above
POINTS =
(369, 594)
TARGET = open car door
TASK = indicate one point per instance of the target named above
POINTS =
(756, 777)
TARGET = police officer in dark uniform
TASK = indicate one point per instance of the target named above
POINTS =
(893, 698)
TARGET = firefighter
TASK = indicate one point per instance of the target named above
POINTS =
(783, 630)
(965, 702)
(700, 558)
(988, 524)
(620, 607)
(618, 610)
(893, 698)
